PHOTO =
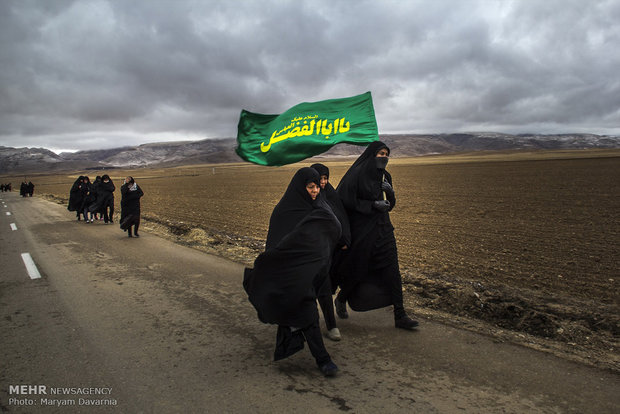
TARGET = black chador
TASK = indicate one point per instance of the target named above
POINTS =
(130, 206)
(76, 199)
(336, 205)
(284, 282)
(95, 205)
(368, 275)
(88, 197)
(104, 190)
(106, 193)
(325, 298)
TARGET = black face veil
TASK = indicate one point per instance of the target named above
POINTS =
(363, 179)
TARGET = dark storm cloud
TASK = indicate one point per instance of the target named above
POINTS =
(95, 73)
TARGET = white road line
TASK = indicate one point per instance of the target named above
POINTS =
(33, 272)
(13, 226)
(8, 213)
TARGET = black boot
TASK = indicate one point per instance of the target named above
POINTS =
(341, 308)
(405, 322)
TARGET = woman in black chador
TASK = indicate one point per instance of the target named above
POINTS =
(369, 276)
(329, 193)
(130, 206)
(75, 197)
(104, 188)
(106, 193)
(88, 198)
(287, 277)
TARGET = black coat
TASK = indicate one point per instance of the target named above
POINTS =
(105, 196)
(94, 205)
(87, 196)
(130, 200)
(371, 229)
(285, 279)
(75, 196)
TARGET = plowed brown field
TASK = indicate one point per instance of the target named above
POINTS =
(528, 242)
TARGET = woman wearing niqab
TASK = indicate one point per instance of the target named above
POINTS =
(286, 277)
(369, 276)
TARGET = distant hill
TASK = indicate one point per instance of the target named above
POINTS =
(223, 150)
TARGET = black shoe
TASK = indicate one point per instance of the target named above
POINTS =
(405, 322)
(136, 235)
(129, 235)
(329, 370)
(341, 309)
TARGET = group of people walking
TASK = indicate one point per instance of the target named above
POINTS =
(5, 187)
(321, 239)
(26, 189)
(95, 201)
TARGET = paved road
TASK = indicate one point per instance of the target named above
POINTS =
(162, 328)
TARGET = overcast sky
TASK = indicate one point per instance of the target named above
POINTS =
(92, 74)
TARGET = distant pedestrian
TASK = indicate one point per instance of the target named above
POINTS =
(95, 207)
(23, 189)
(287, 277)
(106, 194)
(30, 189)
(76, 199)
(369, 275)
(130, 206)
(88, 198)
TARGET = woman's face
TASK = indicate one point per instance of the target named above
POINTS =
(313, 190)
(324, 181)
(383, 152)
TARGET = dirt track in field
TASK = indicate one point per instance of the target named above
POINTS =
(524, 247)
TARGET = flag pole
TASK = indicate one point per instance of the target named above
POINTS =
(382, 180)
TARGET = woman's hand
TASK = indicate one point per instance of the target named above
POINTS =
(381, 205)
(385, 186)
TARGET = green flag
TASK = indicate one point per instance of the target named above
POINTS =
(305, 130)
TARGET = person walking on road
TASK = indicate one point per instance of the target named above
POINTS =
(130, 206)
(106, 193)
(289, 275)
(369, 275)
(326, 301)
(75, 197)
